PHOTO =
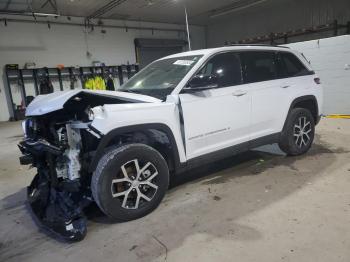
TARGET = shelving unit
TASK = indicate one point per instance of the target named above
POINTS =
(21, 78)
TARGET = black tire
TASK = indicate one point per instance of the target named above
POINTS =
(109, 169)
(291, 140)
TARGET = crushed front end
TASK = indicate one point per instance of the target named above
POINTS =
(58, 148)
(61, 143)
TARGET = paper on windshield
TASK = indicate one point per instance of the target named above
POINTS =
(183, 62)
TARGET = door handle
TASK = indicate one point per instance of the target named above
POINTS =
(286, 86)
(239, 93)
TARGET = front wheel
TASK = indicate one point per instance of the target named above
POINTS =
(130, 181)
(298, 133)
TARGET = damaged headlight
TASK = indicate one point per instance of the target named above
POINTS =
(90, 114)
(29, 127)
(24, 128)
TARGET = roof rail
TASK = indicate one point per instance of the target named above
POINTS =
(266, 45)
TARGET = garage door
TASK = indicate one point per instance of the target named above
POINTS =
(149, 50)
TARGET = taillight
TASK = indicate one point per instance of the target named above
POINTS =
(317, 80)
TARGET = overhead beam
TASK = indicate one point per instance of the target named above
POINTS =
(104, 9)
(237, 6)
(9, 20)
(52, 3)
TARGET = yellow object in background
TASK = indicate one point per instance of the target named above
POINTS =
(339, 116)
(96, 83)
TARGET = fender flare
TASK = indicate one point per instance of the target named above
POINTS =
(304, 98)
(106, 139)
(301, 99)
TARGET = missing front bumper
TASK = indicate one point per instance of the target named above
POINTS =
(58, 212)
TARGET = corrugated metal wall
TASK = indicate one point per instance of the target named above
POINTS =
(277, 16)
(330, 58)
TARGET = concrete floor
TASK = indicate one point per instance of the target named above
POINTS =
(254, 207)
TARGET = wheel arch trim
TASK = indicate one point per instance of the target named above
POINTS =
(107, 138)
(302, 99)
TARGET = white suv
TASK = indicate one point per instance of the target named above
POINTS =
(120, 149)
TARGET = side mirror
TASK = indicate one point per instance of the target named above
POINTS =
(202, 82)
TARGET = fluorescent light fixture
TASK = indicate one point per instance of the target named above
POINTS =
(45, 15)
(236, 8)
(8, 12)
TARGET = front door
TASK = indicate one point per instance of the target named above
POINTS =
(218, 118)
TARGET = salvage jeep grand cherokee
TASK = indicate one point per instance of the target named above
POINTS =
(120, 148)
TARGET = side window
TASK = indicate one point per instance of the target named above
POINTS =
(293, 66)
(227, 67)
(258, 66)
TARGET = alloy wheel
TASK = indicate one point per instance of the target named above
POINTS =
(302, 130)
(136, 184)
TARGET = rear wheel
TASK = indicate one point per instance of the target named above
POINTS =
(298, 133)
(130, 181)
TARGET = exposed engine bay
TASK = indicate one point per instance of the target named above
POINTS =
(60, 145)
(56, 193)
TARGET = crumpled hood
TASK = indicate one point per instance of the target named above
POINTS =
(44, 104)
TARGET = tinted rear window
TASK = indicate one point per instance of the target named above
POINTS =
(293, 66)
(258, 66)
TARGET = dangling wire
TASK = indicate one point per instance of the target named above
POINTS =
(86, 31)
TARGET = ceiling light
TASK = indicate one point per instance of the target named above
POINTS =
(46, 15)
(8, 12)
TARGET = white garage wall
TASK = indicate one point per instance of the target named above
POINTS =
(330, 58)
(62, 44)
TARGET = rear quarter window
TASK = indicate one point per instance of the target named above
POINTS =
(292, 65)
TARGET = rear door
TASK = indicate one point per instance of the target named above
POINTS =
(299, 78)
(270, 92)
(218, 118)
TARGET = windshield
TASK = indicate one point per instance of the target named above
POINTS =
(161, 77)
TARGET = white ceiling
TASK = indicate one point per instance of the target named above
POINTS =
(168, 11)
